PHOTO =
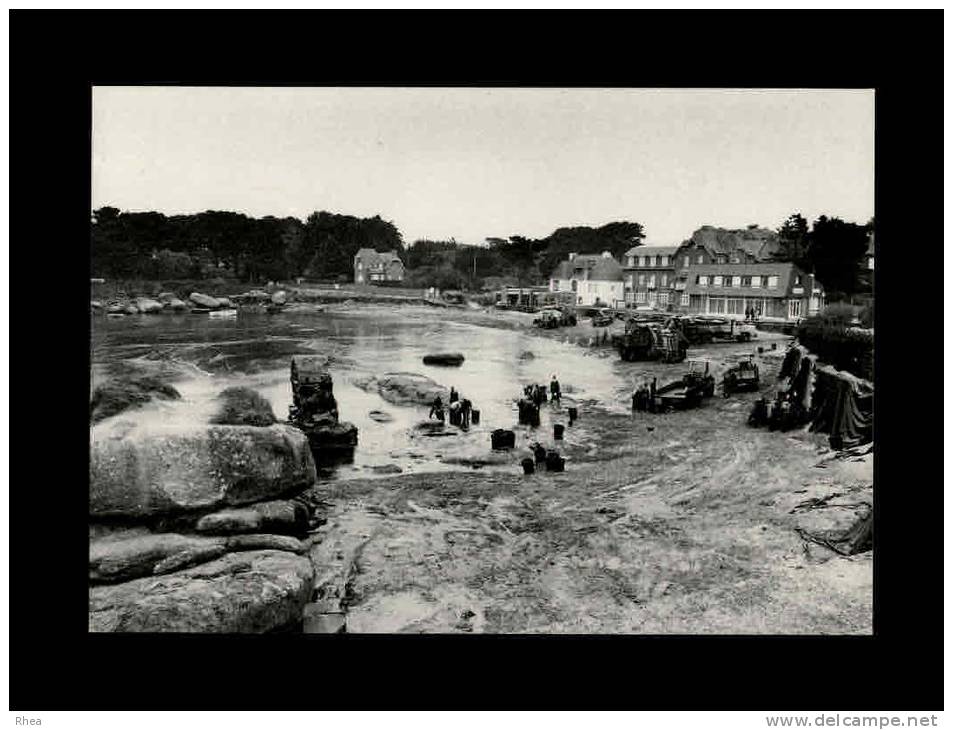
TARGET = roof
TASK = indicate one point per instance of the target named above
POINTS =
(599, 267)
(652, 251)
(785, 272)
(757, 242)
(379, 258)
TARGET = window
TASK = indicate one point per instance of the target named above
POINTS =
(716, 305)
(755, 282)
(717, 280)
(664, 261)
(764, 282)
(701, 280)
(797, 280)
(641, 260)
(745, 281)
(701, 258)
(794, 308)
(735, 306)
(735, 259)
(663, 280)
(658, 260)
(772, 282)
(360, 265)
(721, 259)
(729, 281)
(652, 281)
(640, 297)
(652, 297)
(685, 262)
(641, 279)
(663, 298)
(631, 260)
(554, 284)
(685, 298)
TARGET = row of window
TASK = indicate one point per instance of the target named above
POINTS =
(650, 261)
(661, 298)
(752, 282)
(649, 280)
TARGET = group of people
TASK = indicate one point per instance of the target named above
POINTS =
(643, 399)
(461, 409)
(753, 314)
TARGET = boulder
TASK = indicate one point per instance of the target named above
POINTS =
(242, 592)
(204, 300)
(189, 557)
(130, 309)
(95, 304)
(146, 470)
(116, 309)
(166, 297)
(148, 306)
(276, 516)
(121, 394)
(237, 543)
(279, 297)
(332, 436)
(127, 555)
(225, 302)
(241, 406)
(407, 388)
(177, 305)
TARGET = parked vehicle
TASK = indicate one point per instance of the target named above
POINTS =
(553, 317)
(742, 376)
(603, 318)
(702, 330)
(688, 392)
(649, 341)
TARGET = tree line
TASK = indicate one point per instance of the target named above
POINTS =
(225, 244)
(150, 245)
(834, 250)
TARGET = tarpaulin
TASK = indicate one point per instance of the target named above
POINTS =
(843, 406)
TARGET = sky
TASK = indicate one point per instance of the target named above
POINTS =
(472, 163)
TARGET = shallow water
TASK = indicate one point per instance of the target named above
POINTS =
(255, 349)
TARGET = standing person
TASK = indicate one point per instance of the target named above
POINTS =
(652, 394)
(454, 396)
(436, 408)
(555, 390)
(465, 408)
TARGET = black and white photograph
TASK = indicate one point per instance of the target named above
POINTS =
(465, 360)
(482, 360)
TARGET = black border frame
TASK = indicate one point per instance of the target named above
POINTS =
(55, 56)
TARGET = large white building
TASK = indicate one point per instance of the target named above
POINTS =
(595, 280)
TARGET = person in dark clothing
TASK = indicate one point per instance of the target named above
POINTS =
(465, 407)
(436, 409)
(554, 390)
(652, 387)
(454, 396)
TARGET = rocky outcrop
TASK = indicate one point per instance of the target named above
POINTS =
(115, 396)
(204, 300)
(279, 297)
(242, 592)
(148, 306)
(287, 543)
(128, 555)
(139, 470)
(281, 516)
(176, 305)
(405, 388)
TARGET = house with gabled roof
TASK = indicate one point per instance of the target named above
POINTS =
(649, 274)
(594, 279)
(773, 290)
(375, 267)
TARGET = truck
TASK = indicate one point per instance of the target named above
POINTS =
(741, 376)
(706, 330)
(687, 392)
(553, 317)
(650, 341)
